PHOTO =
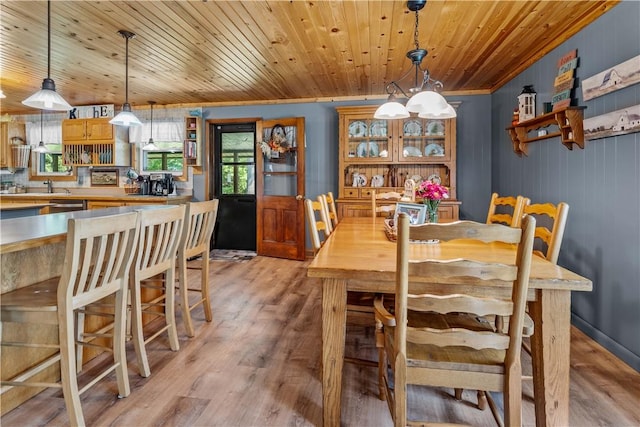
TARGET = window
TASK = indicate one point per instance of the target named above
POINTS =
(168, 158)
(168, 134)
(50, 164)
(237, 163)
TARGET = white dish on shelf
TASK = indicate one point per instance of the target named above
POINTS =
(377, 181)
(378, 128)
(434, 127)
(412, 128)
(433, 150)
(357, 129)
(361, 151)
(416, 178)
(411, 152)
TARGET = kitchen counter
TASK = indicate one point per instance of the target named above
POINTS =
(124, 198)
(18, 210)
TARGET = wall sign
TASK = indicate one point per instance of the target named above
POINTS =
(91, 111)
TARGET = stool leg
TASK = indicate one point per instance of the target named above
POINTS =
(68, 366)
(204, 283)
(136, 326)
(170, 308)
(184, 293)
(80, 317)
(119, 338)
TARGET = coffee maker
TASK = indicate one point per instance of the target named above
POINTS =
(160, 184)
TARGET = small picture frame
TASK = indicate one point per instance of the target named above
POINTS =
(104, 178)
(417, 212)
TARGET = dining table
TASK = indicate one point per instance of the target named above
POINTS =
(360, 256)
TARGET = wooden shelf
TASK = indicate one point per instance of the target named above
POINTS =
(569, 123)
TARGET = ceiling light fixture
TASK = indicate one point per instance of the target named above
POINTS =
(424, 98)
(41, 147)
(126, 117)
(47, 98)
(150, 146)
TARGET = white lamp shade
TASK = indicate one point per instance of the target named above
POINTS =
(2, 95)
(448, 113)
(41, 148)
(150, 146)
(125, 117)
(426, 101)
(391, 110)
(47, 99)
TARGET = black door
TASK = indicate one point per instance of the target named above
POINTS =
(235, 185)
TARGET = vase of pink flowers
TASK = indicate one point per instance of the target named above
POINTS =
(432, 193)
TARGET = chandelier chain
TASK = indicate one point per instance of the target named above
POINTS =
(415, 32)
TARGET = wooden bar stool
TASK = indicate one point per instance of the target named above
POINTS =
(200, 221)
(160, 235)
(97, 264)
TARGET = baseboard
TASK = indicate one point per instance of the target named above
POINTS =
(615, 348)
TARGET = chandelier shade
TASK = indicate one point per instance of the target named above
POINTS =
(126, 117)
(425, 100)
(47, 98)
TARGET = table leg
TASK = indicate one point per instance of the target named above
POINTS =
(334, 317)
(551, 313)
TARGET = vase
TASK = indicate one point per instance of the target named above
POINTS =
(432, 210)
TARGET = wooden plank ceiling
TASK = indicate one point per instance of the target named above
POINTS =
(221, 52)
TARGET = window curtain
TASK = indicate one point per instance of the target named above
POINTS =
(51, 129)
(168, 126)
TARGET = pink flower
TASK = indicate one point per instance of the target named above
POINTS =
(432, 191)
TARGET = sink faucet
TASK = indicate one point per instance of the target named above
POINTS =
(49, 185)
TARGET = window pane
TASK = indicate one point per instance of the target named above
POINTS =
(168, 158)
(238, 179)
(238, 147)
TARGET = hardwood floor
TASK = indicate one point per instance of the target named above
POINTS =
(258, 364)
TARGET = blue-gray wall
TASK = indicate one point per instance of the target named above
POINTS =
(601, 183)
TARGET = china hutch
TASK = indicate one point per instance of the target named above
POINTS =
(381, 155)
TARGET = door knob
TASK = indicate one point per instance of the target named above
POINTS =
(298, 197)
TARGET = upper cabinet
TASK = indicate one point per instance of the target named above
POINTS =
(383, 154)
(192, 151)
(94, 142)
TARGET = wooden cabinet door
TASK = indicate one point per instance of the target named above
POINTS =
(4, 144)
(74, 130)
(99, 129)
(102, 205)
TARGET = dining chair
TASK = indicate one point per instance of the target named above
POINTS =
(324, 204)
(319, 227)
(551, 221)
(199, 224)
(333, 213)
(154, 271)
(506, 210)
(386, 208)
(96, 266)
(439, 339)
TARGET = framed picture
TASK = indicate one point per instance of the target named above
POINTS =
(417, 212)
(104, 178)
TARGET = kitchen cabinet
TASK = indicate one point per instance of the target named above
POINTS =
(4, 145)
(94, 142)
(388, 152)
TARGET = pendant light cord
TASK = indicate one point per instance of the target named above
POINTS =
(126, 71)
(48, 39)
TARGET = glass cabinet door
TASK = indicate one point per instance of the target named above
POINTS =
(423, 140)
(368, 140)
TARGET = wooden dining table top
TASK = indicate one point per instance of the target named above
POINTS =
(360, 249)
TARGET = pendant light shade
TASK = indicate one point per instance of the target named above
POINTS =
(41, 147)
(47, 98)
(391, 110)
(150, 146)
(126, 117)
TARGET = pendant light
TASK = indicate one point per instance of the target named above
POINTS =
(424, 100)
(41, 148)
(150, 146)
(126, 117)
(47, 98)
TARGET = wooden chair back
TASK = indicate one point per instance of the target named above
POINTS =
(432, 344)
(386, 209)
(333, 213)
(318, 223)
(324, 203)
(97, 259)
(198, 227)
(550, 223)
(498, 207)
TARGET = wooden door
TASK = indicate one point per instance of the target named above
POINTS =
(280, 188)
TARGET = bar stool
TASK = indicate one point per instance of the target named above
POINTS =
(200, 220)
(160, 235)
(97, 264)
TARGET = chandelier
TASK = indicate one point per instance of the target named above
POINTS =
(423, 96)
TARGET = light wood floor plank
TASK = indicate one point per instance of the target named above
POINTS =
(258, 364)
